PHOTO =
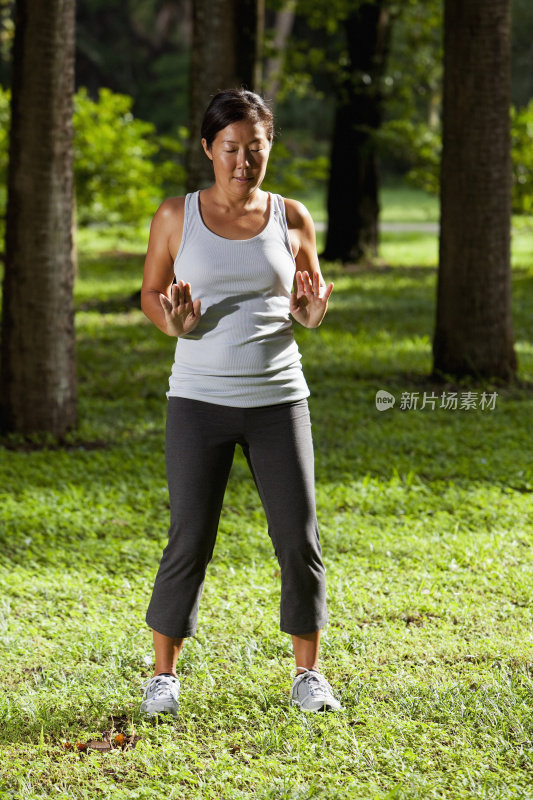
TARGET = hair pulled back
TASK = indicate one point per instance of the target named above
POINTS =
(234, 105)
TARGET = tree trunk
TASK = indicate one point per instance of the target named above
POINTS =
(227, 39)
(283, 26)
(353, 191)
(38, 361)
(473, 332)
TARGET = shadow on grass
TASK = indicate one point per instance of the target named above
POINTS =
(90, 498)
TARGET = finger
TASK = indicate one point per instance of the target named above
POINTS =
(187, 293)
(165, 303)
(327, 292)
(305, 282)
(182, 294)
(175, 295)
(196, 308)
(300, 285)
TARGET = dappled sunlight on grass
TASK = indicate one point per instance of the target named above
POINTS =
(426, 526)
(405, 249)
(407, 204)
(95, 240)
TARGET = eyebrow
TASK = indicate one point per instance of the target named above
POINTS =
(232, 141)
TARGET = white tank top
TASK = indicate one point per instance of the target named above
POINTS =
(242, 353)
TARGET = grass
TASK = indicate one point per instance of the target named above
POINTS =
(398, 204)
(426, 524)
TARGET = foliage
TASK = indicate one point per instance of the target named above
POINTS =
(521, 52)
(290, 174)
(413, 83)
(7, 34)
(140, 49)
(117, 175)
(426, 531)
(122, 168)
(417, 148)
(522, 149)
(4, 146)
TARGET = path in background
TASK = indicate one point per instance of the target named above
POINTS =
(398, 227)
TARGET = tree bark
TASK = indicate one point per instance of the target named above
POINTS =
(38, 381)
(473, 331)
(353, 190)
(226, 46)
(283, 25)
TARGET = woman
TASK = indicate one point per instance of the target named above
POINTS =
(219, 271)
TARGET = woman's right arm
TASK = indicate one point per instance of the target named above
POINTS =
(170, 307)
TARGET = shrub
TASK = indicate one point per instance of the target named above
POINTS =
(122, 168)
(121, 165)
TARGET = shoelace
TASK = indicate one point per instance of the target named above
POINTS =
(161, 683)
(315, 681)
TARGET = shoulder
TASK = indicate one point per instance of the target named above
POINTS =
(167, 225)
(298, 217)
(301, 234)
(171, 210)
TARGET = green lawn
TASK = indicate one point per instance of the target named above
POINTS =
(427, 529)
(398, 204)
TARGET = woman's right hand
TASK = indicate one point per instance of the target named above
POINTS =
(182, 313)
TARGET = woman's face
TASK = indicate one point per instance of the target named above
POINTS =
(240, 155)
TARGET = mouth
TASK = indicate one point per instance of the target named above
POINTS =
(242, 180)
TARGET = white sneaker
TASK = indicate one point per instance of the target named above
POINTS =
(161, 695)
(311, 692)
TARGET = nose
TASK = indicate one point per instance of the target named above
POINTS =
(243, 160)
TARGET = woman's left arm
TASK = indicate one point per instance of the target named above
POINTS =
(309, 300)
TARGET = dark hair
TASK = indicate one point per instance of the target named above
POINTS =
(234, 105)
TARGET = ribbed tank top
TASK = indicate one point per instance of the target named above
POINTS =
(242, 353)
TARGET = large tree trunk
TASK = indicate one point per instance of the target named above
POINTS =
(38, 385)
(473, 334)
(226, 46)
(353, 191)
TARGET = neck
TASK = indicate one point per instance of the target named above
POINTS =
(234, 202)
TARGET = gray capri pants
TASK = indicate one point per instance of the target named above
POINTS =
(200, 444)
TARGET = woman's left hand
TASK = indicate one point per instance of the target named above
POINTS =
(309, 302)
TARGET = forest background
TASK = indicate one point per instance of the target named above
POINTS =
(425, 510)
(133, 100)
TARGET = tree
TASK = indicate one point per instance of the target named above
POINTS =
(227, 37)
(141, 49)
(353, 190)
(38, 386)
(283, 23)
(473, 332)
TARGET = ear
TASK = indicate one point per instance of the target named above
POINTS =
(207, 151)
